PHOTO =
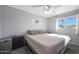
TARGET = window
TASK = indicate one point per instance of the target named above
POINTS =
(67, 22)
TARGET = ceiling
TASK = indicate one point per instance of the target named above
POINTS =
(39, 10)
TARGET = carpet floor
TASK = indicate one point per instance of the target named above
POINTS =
(22, 50)
(71, 49)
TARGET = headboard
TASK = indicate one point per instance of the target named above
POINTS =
(34, 32)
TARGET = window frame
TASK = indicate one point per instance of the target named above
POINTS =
(64, 22)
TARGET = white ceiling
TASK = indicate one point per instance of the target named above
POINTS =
(39, 10)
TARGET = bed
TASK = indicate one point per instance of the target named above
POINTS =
(47, 43)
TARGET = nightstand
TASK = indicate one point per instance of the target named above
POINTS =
(18, 41)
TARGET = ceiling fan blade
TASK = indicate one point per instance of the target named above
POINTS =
(37, 5)
(55, 6)
(49, 6)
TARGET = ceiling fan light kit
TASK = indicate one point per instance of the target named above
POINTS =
(48, 9)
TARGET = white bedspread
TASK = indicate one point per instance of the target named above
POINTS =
(47, 43)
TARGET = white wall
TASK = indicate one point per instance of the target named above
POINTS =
(0, 21)
(77, 16)
(17, 22)
(52, 24)
(67, 31)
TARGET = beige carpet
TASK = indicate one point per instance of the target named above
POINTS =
(22, 50)
(71, 49)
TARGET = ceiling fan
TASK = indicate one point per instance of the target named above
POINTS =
(48, 8)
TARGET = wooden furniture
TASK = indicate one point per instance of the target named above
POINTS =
(17, 42)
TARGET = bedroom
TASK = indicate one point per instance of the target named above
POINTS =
(16, 20)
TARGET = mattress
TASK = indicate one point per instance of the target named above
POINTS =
(47, 43)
